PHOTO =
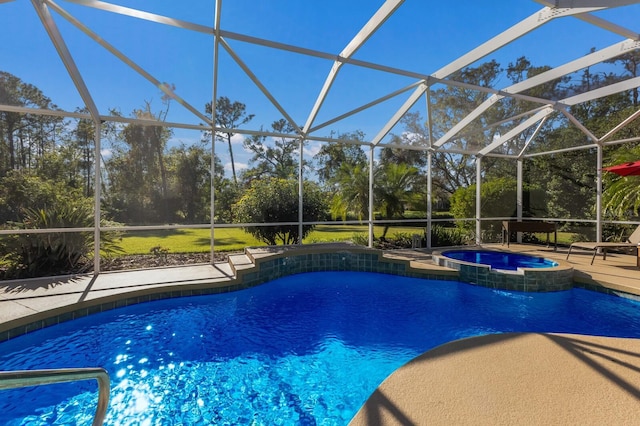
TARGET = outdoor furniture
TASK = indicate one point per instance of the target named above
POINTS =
(509, 226)
(633, 241)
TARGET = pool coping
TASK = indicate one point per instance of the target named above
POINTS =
(51, 301)
(88, 294)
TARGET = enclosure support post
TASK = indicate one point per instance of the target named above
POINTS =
(519, 197)
(97, 194)
(371, 148)
(429, 194)
(300, 191)
(429, 165)
(599, 193)
(478, 199)
(214, 96)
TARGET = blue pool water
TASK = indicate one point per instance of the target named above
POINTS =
(305, 349)
(500, 260)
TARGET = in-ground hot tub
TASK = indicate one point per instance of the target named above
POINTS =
(500, 259)
(507, 270)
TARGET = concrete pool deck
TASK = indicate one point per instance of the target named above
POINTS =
(544, 379)
(513, 379)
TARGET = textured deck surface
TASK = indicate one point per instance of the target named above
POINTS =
(499, 379)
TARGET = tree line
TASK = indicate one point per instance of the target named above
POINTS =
(48, 162)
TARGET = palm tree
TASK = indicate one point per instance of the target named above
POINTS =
(621, 197)
(351, 192)
(394, 189)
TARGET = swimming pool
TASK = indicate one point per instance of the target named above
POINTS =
(303, 349)
(499, 259)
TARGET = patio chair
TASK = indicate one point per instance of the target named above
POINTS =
(633, 241)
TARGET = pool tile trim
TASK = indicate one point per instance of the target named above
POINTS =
(270, 263)
(266, 267)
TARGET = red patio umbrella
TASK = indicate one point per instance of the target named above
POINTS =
(625, 169)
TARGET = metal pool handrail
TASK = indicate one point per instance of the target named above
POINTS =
(24, 378)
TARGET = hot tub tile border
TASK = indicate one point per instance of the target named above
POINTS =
(557, 278)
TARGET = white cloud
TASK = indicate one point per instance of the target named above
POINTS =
(237, 139)
(106, 153)
(413, 137)
(239, 167)
(312, 149)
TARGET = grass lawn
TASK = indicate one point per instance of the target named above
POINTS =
(235, 239)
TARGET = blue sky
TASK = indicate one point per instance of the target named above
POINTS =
(421, 36)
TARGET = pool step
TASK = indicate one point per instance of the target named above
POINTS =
(226, 272)
(239, 262)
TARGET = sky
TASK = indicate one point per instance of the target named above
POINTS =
(421, 36)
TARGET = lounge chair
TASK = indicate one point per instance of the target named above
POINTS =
(633, 241)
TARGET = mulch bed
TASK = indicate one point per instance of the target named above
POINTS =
(143, 261)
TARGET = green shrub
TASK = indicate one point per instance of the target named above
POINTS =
(275, 200)
(53, 253)
(440, 237)
(360, 238)
(402, 240)
(498, 198)
(446, 237)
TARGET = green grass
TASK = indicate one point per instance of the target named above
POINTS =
(235, 239)
(564, 238)
(331, 233)
(185, 240)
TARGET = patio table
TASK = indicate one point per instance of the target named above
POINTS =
(509, 226)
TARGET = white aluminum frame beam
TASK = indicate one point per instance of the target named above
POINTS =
(578, 124)
(478, 200)
(258, 83)
(620, 126)
(114, 118)
(586, 3)
(125, 59)
(599, 215)
(552, 74)
(147, 16)
(621, 141)
(371, 181)
(532, 137)
(518, 30)
(609, 26)
(594, 20)
(602, 92)
(63, 51)
(570, 101)
(97, 198)
(365, 107)
(516, 117)
(217, 13)
(417, 93)
(300, 190)
(376, 21)
(516, 130)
